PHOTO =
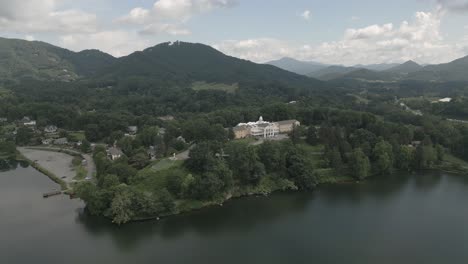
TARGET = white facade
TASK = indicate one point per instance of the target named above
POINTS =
(261, 128)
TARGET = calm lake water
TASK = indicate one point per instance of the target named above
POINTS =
(400, 219)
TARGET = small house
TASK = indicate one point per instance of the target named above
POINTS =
(114, 153)
(47, 141)
(61, 141)
(166, 118)
(152, 152)
(132, 130)
(3, 120)
(181, 139)
(26, 121)
(50, 129)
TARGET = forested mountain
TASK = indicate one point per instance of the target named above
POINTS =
(183, 63)
(299, 67)
(456, 70)
(377, 67)
(331, 72)
(21, 59)
(406, 68)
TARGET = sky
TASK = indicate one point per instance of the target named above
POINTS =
(344, 32)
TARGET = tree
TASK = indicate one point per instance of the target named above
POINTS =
(300, 170)
(404, 158)
(92, 132)
(23, 136)
(360, 164)
(140, 160)
(270, 155)
(85, 146)
(296, 134)
(244, 162)
(383, 156)
(121, 206)
(90, 194)
(312, 136)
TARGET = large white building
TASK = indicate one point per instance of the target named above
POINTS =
(264, 129)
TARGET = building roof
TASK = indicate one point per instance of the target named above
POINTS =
(287, 122)
(115, 151)
(239, 128)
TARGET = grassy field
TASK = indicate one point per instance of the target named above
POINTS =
(199, 86)
(165, 164)
(78, 135)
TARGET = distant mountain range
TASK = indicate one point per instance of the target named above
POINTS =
(181, 63)
(454, 71)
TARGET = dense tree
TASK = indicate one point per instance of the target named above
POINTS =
(360, 165)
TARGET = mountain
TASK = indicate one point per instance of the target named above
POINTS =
(331, 72)
(21, 59)
(456, 70)
(299, 67)
(377, 67)
(406, 68)
(184, 63)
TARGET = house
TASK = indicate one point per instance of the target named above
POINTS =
(26, 121)
(3, 120)
(47, 141)
(152, 152)
(287, 126)
(114, 153)
(181, 139)
(61, 141)
(50, 129)
(162, 131)
(445, 100)
(166, 118)
(132, 130)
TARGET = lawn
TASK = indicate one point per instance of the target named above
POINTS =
(78, 135)
(165, 164)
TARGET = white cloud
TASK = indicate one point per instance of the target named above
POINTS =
(30, 16)
(306, 15)
(170, 16)
(419, 40)
(118, 43)
(355, 18)
(171, 29)
(259, 50)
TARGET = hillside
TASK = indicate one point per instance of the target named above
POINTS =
(456, 70)
(296, 66)
(406, 68)
(185, 63)
(331, 72)
(21, 59)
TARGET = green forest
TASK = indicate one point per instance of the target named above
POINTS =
(350, 130)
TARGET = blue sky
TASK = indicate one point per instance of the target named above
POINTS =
(338, 32)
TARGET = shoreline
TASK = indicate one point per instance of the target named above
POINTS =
(50, 175)
(220, 202)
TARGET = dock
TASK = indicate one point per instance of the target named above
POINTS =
(50, 194)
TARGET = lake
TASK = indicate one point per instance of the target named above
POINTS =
(399, 219)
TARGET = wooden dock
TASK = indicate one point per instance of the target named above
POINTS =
(50, 194)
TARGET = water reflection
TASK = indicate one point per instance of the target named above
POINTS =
(235, 217)
(12, 164)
